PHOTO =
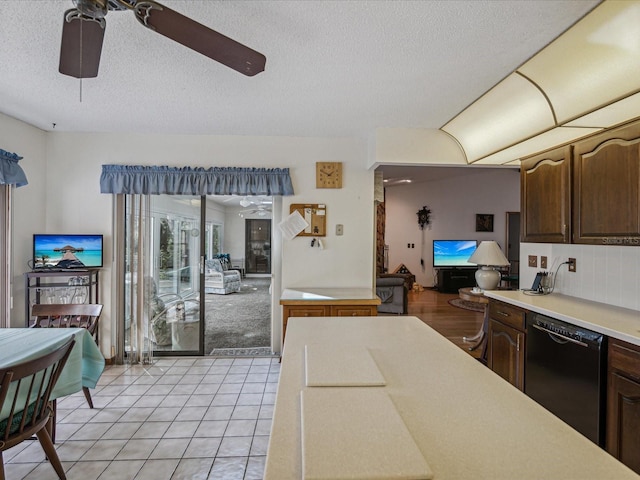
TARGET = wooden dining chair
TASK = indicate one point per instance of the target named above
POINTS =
(69, 315)
(25, 391)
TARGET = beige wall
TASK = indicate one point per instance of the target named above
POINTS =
(65, 195)
(29, 202)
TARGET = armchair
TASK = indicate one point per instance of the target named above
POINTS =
(392, 291)
(219, 280)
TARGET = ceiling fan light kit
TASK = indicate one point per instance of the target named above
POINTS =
(84, 27)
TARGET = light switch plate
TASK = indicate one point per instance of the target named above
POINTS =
(339, 229)
(533, 261)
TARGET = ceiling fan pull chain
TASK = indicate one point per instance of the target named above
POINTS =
(81, 25)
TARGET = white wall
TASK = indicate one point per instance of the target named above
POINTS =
(454, 203)
(72, 201)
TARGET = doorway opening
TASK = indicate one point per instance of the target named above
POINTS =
(238, 321)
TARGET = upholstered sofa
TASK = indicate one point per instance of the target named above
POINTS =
(220, 280)
(392, 291)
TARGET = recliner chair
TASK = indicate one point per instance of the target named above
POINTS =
(392, 291)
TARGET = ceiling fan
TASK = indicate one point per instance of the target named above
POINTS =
(260, 210)
(84, 27)
(247, 200)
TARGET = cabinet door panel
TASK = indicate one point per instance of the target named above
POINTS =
(506, 353)
(507, 314)
(352, 311)
(301, 311)
(623, 420)
(606, 187)
(545, 197)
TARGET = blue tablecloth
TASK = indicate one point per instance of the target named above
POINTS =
(84, 365)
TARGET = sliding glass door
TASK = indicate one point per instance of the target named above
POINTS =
(163, 243)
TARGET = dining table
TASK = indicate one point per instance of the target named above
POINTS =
(82, 369)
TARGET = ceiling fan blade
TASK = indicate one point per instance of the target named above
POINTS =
(200, 38)
(81, 45)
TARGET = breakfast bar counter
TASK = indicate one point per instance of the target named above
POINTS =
(465, 421)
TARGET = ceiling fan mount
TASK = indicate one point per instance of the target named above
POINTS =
(92, 8)
(84, 27)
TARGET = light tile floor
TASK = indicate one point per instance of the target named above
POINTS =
(180, 418)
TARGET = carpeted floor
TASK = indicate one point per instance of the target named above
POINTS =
(239, 321)
(466, 305)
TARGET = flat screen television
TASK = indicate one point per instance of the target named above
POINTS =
(67, 251)
(453, 253)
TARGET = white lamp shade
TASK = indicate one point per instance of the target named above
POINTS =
(489, 253)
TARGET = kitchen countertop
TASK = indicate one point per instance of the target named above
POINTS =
(330, 296)
(467, 422)
(616, 322)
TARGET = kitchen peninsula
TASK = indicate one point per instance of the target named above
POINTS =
(466, 422)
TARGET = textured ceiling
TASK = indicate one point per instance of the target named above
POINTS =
(334, 68)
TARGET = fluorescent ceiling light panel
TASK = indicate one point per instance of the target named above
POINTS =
(594, 63)
(556, 136)
(619, 112)
(509, 113)
(587, 77)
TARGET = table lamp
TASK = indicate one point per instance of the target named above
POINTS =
(488, 255)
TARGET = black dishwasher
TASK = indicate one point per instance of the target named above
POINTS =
(565, 372)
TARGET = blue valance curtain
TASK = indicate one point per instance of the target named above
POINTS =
(158, 180)
(10, 172)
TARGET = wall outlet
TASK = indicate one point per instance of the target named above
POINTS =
(533, 261)
(572, 264)
(543, 262)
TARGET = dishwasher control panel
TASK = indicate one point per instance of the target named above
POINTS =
(564, 329)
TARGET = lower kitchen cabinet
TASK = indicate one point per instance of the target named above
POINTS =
(338, 310)
(506, 342)
(623, 403)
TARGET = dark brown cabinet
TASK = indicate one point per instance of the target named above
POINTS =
(606, 188)
(545, 195)
(623, 403)
(506, 342)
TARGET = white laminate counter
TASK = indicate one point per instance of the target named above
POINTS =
(467, 422)
(616, 322)
(330, 295)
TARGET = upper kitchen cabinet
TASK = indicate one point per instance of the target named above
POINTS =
(606, 188)
(545, 192)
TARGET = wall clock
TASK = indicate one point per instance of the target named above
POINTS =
(328, 174)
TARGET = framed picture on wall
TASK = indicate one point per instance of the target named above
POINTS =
(484, 222)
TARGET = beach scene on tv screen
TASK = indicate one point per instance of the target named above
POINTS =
(453, 253)
(67, 251)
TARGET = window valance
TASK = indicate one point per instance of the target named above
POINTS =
(10, 172)
(158, 180)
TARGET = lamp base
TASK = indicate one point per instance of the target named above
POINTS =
(487, 278)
